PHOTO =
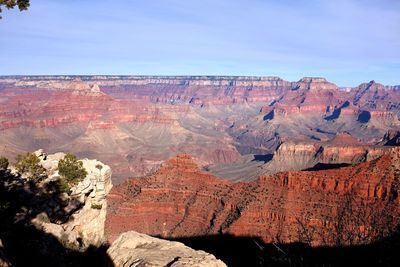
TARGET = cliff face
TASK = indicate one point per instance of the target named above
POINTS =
(181, 201)
(40, 108)
(302, 156)
(219, 119)
(315, 84)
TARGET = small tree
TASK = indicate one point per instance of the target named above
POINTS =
(99, 167)
(71, 169)
(22, 4)
(29, 163)
(58, 186)
(3, 163)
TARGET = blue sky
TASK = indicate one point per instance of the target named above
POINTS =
(346, 41)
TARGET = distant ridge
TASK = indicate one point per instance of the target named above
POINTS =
(171, 77)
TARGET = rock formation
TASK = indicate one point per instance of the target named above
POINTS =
(73, 222)
(134, 249)
(220, 120)
(317, 83)
(86, 205)
(302, 156)
(181, 201)
(391, 138)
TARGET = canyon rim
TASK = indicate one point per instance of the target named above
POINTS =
(199, 133)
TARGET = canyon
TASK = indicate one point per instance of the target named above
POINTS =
(232, 126)
(180, 200)
(49, 226)
(262, 158)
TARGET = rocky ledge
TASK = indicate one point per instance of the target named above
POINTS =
(135, 249)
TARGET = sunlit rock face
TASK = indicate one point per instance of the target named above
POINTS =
(179, 200)
(136, 122)
(135, 249)
(85, 205)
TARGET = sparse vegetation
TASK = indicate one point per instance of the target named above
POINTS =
(71, 169)
(96, 206)
(43, 217)
(66, 243)
(3, 163)
(58, 186)
(25, 242)
(99, 167)
(30, 164)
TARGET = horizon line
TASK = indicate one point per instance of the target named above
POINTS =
(220, 77)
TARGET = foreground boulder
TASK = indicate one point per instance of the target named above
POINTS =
(135, 249)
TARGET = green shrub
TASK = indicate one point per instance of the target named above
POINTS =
(43, 217)
(96, 206)
(99, 167)
(3, 163)
(71, 169)
(64, 240)
(29, 163)
(58, 186)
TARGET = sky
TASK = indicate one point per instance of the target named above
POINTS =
(346, 41)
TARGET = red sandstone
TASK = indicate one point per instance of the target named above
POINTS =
(180, 200)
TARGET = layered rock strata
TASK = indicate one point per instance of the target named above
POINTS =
(218, 119)
(71, 224)
(181, 201)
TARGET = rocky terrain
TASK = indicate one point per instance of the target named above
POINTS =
(344, 206)
(44, 227)
(134, 249)
(230, 125)
(217, 158)
(86, 205)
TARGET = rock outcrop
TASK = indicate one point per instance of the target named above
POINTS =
(315, 83)
(85, 207)
(71, 224)
(134, 249)
(341, 150)
(181, 201)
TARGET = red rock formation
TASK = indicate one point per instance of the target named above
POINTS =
(179, 200)
(315, 84)
(45, 108)
(342, 149)
(214, 118)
